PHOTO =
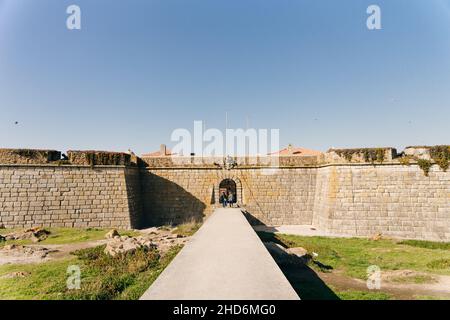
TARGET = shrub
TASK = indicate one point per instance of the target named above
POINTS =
(441, 155)
(107, 277)
(369, 154)
(425, 165)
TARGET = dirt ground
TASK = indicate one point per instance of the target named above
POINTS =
(41, 253)
(310, 284)
(38, 253)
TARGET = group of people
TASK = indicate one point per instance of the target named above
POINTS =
(227, 199)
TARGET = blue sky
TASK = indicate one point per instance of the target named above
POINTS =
(139, 69)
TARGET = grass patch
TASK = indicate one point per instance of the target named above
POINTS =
(125, 276)
(439, 264)
(355, 255)
(45, 280)
(427, 297)
(426, 244)
(362, 295)
(187, 229)
(67, 235)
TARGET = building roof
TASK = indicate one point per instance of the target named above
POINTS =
(296, 151)
(159, 153)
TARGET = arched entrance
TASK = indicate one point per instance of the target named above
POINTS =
(228, 186)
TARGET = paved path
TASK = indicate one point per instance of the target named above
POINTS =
(224, 260)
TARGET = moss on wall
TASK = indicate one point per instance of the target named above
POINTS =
(93, 158)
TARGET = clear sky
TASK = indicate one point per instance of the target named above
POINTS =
(138, 69)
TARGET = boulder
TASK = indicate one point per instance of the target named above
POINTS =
(33, 234)
(298, 251)
(34, 239)
(126, 244)
(112, 234)
(376, 237)
(9, 247)
(25, 251)
(290, 256)
(162, 240)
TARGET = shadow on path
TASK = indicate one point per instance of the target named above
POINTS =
(307, 283)
(304, 280)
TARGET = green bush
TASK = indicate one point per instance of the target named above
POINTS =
(106, 277)
(425, 165)
(441, 155)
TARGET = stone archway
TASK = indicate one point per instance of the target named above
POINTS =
(235, 181)
(226, 187)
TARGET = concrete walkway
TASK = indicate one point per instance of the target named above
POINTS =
(224, 260)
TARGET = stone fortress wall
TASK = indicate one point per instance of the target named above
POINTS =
(350, 191)
(41, 190)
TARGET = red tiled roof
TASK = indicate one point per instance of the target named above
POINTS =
(158, 154)
(296, 151)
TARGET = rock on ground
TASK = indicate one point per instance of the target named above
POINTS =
(18, 274)
(34, 234)
(22, 254)
(111, 234)
(298, 251)
(288, 256)
(156, 238)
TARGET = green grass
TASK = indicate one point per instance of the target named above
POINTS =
(427, 297)
(362, 295)
(145, 279)
(46, 280)
(187, 229)
(354, 255)
(103, 277)
(427, 244)
(439, 264)
(67, 235)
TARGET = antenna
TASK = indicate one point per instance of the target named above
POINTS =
(226, 127)
(226, 120)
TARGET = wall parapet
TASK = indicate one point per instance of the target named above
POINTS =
(96, 158)
(221, 162)
(28, 156)
(361, 155)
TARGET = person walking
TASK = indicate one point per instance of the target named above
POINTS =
(231, 199)
(223, 199)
